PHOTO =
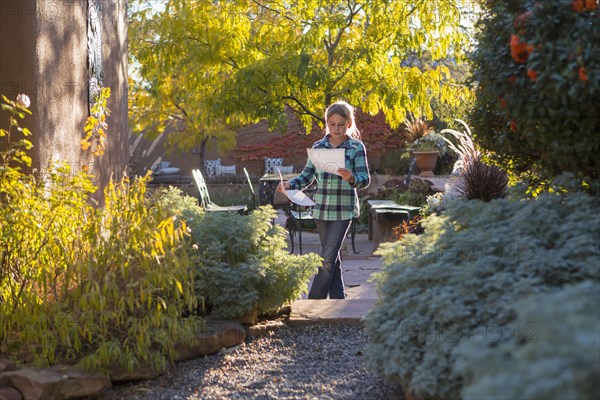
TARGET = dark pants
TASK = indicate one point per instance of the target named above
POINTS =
(328, 280)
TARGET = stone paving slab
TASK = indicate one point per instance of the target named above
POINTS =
(335, 312)
(359, 273)
(363, 292)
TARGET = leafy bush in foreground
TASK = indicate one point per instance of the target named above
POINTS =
(242, 263)
(461, 277)
(558, 358)
(98, 287)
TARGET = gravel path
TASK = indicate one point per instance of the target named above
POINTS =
(313, 362)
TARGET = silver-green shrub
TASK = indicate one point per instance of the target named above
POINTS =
(458, 281)
(245, 266)
(558, 358)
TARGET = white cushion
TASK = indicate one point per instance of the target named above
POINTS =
(271, 165)
(226, 170)
(159, 166)
(286, 169)
(167, 171)
(211, 166)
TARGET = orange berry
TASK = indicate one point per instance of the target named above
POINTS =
(583, 74)
(532, 74)
(519, 50)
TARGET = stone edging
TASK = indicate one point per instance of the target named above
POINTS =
(65, 382)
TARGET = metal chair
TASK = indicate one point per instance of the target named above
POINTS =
(352, 234)
(205, 197)
(252, 193)
(296, 215)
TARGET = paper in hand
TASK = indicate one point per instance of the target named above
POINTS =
(328, 160)
(297, 196)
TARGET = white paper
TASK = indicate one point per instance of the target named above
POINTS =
(297, 196)
(328, 160)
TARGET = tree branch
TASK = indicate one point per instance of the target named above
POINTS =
(302, 106)
(272, 10)
(331, 47)
(181, 109)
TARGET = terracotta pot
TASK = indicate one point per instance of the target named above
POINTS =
(425, 160)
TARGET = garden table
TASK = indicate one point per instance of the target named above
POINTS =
(267, 185)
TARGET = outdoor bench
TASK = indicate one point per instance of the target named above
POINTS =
(384, 215)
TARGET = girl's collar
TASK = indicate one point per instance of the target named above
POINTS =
(345, 143)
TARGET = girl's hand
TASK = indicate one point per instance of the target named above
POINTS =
(346, 175)
(285, 185)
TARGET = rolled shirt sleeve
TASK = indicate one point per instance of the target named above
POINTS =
(362, 178)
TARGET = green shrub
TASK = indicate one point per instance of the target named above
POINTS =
(415, 195)
(139, 277)
(444, 114)
(556, 355)
(538, 68)
(242, 260)
(97, 287)
(444, 163)
(463, 275)
(185, 208)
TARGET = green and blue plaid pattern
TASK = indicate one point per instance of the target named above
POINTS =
(335, 198)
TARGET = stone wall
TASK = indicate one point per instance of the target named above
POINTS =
(44, 53)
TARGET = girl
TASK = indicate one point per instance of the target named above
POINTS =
(336, 198)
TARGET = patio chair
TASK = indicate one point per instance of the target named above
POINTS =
(205, 197)
(296, 216)
(352, 234)
(252, 194)
(411, 210)
(411, 168)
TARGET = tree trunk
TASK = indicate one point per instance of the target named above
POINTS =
(202, 154)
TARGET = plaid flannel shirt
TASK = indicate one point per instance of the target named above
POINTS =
(335, 198)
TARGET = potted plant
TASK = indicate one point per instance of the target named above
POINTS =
(425, 144)
(432, 142)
